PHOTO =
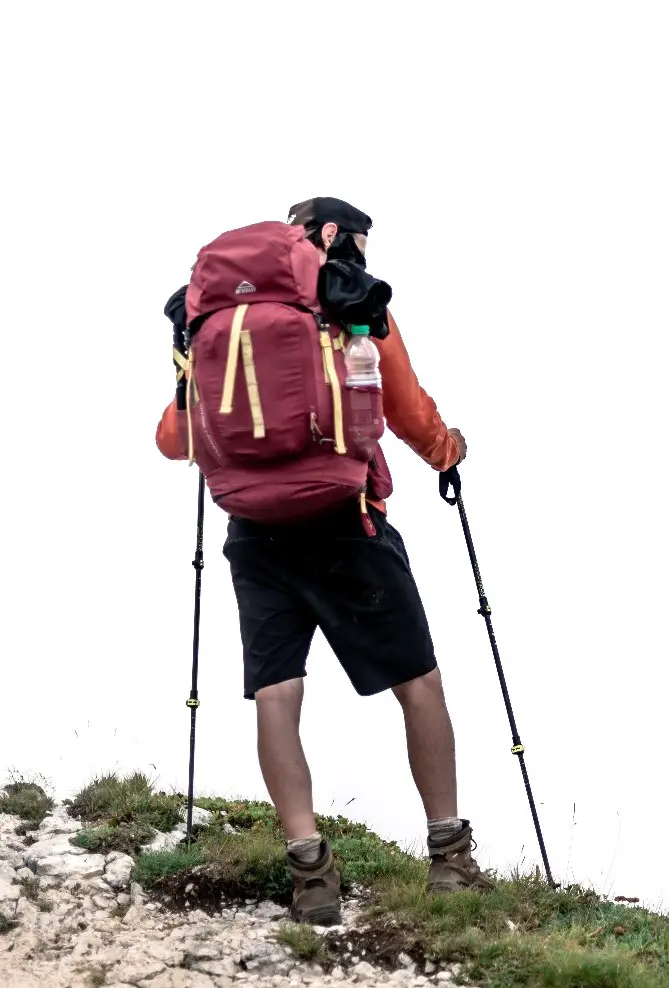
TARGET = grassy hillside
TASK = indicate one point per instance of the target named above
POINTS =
(522, 935)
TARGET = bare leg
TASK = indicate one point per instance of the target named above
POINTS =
(282, 760)
(430, 743)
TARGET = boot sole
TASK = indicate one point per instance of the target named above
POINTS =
(326, 916)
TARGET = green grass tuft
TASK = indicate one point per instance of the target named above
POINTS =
(27, 800)
(215, 804)
(244, 814)
(558, 962)
(248, 866)
(151, 868)
(129, 838)
(116, 801)
(304, 942)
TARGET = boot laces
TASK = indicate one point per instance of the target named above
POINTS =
(474, 865)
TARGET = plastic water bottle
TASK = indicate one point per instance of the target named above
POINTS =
(365, 402)
(362, 360)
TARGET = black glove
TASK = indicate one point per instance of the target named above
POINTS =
(175, 310)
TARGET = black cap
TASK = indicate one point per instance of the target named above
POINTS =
(315, 213)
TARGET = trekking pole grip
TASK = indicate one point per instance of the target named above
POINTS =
(447, 479)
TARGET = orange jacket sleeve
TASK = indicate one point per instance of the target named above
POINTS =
(410, 413)
(168, 439)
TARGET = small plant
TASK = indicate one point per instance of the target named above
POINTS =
(129, 838)
(97, 978)
(244, 814)
(119, 911)
(114, 801)
(27, 799)
(151, 868)
(213, 803)
(304, 942)
(32, 891)
(31, 888)
(7, 925)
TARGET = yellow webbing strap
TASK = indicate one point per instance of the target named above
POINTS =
(328, 356)
(189, 414)
(183, 364)
(179, 359)
(252, 385)
(339, 343)
(233, 357)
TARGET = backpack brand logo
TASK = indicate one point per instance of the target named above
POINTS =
(245, 288)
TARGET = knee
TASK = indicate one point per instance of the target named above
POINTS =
(284, 695)
(417, 691)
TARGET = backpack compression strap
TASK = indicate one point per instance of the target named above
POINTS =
(331, 371)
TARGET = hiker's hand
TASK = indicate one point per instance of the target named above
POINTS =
(461, 444)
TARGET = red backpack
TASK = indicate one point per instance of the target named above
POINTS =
(270, 421)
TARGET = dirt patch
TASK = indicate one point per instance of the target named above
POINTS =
(202, 888)
(381, 941)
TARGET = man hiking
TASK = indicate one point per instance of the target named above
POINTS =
(321, 569)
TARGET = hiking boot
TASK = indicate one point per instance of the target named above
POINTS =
(452, 866)
(315, 890)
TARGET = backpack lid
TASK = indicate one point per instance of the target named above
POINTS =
(264, 262)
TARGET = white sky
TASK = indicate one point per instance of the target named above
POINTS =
(514, 158)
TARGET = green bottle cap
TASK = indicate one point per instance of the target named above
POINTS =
(359, 330)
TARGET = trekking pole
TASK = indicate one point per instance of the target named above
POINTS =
(446, 480)
(193, 702)
(175, 310)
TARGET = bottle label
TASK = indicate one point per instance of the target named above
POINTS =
(364, 420)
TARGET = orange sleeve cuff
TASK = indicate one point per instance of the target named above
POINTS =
(168, 439)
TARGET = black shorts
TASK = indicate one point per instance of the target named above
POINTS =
(359, 591)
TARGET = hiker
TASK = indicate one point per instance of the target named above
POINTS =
(345, 570)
